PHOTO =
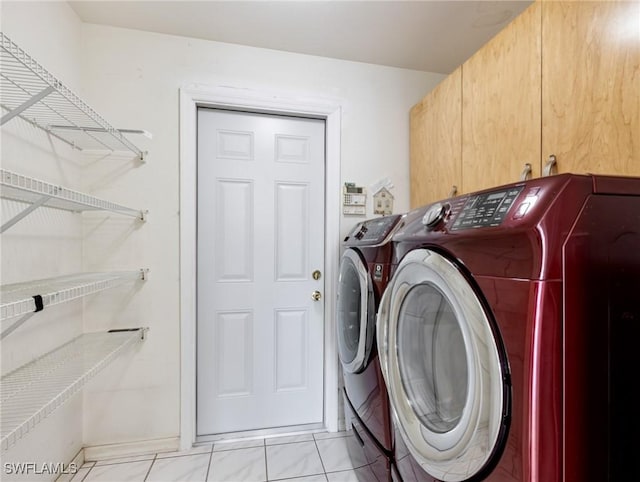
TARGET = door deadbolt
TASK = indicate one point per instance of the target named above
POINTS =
(316, 274)
(316, 295)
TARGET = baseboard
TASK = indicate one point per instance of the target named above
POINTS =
(143, 447)
(77, 462)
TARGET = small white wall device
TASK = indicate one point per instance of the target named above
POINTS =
(354, 199)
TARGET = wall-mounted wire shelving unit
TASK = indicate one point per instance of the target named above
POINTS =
(25, 299)
(39, 193)
(17, 298)
(33, 391)
(29, 91)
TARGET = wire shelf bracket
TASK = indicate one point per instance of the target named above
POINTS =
(20, 299)
(32, 392)
(25, 105)
(29, 91)
(41, 193)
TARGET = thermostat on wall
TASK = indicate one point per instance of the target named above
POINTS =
(354, 199)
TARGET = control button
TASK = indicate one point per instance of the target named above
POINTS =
(522, 210)
(532, 192)
(434, 215)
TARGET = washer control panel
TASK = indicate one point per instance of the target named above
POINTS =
(375, 230)
(486, 209)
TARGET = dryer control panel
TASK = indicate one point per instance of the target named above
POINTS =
(372, 231)
(486, 209)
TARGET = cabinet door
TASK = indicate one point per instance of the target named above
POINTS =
(591, 86)
(501, 105)
(436, 142)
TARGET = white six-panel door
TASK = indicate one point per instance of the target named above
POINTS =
(260, 238)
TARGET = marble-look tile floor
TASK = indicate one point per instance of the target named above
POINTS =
(320, 457)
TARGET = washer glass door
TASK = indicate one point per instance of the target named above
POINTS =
(444, 368)
(355, 312)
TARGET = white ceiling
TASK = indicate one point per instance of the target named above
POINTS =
(433, 36)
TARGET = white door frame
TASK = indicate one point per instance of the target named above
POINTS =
(198, 95)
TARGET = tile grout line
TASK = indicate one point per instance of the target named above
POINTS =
(299, 476)
(353, 467)
(106, 461)
(88, 471)
(150, 467)
(324, 469)
(211, 453)
(206, 477)
(266, 462)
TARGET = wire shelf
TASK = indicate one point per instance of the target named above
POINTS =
(18, 298)
(41, 193)
(32, 392)
(29, 91)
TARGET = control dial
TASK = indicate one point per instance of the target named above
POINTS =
(434, 215)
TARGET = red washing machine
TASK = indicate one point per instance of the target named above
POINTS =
(508, 334)
(364, 274)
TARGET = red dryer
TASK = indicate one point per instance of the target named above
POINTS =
(364, 273)
(508, 334)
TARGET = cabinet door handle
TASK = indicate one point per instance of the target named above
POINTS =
(551, 167)
(454, 191)
(526, 172)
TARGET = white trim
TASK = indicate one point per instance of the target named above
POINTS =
(252, 100)
(127, 449)
(289, 431)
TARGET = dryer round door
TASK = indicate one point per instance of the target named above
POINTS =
(444, 367)
(355, 312)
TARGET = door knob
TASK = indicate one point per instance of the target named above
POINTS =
(316, 295)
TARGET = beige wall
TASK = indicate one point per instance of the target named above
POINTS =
(133, 78)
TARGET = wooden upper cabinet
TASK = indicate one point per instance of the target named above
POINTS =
(436, 142)
(591, 86)
(501, 122)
